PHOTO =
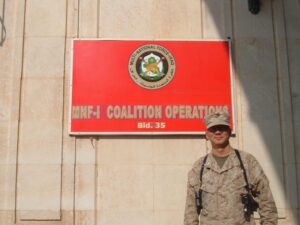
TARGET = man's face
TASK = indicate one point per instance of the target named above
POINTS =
(219, 135)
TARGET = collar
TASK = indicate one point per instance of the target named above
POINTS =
(231, 162)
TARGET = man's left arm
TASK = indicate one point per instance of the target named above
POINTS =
(267, 207)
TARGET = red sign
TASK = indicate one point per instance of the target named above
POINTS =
(148, 87)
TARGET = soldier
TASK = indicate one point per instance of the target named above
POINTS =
(227, 185)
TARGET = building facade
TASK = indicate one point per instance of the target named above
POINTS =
(50, 177)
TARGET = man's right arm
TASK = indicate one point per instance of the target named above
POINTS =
(190, 216)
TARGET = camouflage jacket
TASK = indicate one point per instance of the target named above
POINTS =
(222, 189)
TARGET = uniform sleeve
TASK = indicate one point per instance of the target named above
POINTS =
(267, 208)
(190, 215)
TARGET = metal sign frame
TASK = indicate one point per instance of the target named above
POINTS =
(95, 112)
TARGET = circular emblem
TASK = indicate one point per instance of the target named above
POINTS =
(152, 66)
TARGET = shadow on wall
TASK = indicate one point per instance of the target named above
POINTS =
(2, 26)
(257, 69)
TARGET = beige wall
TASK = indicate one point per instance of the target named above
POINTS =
(49, 177)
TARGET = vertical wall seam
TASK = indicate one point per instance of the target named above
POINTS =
(74, 183)
(275, 43)
(63, 110)
(97, 139)
(3, 29)
(75, 150)
(281, 107)
(235, 62)
(98, 18)
(78, 17)
(291, 104)
(19, 113)
(96, 182)
(153, 187)
(201, 18)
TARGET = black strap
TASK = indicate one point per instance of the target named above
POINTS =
(199, 192)
(202, 168)
(243, 168)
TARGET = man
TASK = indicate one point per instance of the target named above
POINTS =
(227, 189)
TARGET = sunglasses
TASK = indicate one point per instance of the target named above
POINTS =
(221, 128)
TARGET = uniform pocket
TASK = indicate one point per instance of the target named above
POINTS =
(210, 180)
(208, 187)
(238, 180)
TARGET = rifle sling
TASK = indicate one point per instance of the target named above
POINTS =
(243, 168)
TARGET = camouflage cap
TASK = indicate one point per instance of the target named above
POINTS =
(217, 118)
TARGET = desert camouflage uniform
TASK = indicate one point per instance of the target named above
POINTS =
(221, 190)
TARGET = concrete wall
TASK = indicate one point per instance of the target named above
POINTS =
(49, 177)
